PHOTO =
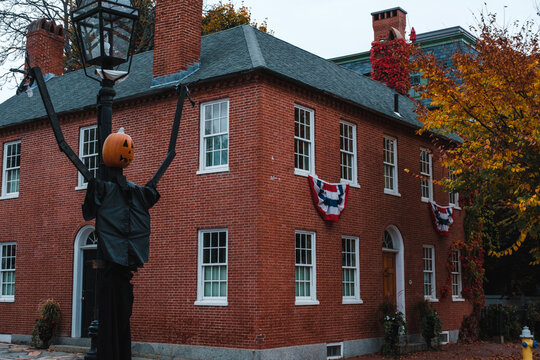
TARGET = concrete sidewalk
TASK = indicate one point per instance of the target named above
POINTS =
(20, 352)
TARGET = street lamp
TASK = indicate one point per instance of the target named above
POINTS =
(104, 31)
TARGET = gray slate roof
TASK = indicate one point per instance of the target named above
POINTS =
(240, 49)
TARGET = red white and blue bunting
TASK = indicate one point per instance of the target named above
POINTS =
(329, 199)
(442, 217)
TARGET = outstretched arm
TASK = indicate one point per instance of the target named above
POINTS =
(183, 91)
(35, 74)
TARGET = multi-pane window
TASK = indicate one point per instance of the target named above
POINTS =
(304, 276)
(390, 165)
(429, 271)
(347, 137)
(7, 271)
(212, 283)
(453, 197)
(304, 140)
(426, 183)
(88, 151)
(350, 269)
(12, 169)
(214, 136)
(456, 274)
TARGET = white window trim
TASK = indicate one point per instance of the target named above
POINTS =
(433, 296)
(459, 297)
(429, 175)
(7, 298)
(210, 301)
(394, 191)
(3, 194)
(455, 204)
(311, 172)
(340, 356)
(203, 169)
(356, 299)
(312, 299)
(81, 185)
(354, 182)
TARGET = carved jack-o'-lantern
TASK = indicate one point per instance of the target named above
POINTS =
(118, 150)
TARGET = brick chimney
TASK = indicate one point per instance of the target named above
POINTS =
(177, 36)
(389, 24)
(45, 46)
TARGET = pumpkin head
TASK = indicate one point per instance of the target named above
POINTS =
(118, 150)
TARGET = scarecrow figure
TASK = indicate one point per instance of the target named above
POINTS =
(121, 209)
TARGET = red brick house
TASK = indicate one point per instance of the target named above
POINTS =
(241, 266)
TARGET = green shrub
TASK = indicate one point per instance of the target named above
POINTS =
(46, 324)
(430, 322)
(394, 327)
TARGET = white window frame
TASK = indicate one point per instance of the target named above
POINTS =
(349, 153)
(5, 194)
(201, 298)
(456, 272)
(81, 182)
(391, 164)
(430, 261)
(310, 142)
(355, 299)
(203, 168)
(453, 197)
(340, 356)
(6, 298)
(426, 172)
(312, 298)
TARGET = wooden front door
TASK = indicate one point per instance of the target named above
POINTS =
(389, 276)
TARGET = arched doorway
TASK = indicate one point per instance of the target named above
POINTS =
(83, 281)
(393, 267)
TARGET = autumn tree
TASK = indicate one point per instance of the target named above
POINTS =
(390, 60)
(489, 98)
(222, 16)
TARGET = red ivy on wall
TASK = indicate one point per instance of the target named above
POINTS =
(390, 64)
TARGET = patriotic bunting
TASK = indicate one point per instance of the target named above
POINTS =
(442, 217)
(329, 199)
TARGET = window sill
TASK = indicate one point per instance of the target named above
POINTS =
(213, 170)
(304, 302)
(9, 196)
(211, 302)
(431, 299)
(426, 200)
(392, 192)
(455, 206)
(352, 301)
(81, 187)
(351, 184)
(7, 299)
(457, 299)
(303, 173)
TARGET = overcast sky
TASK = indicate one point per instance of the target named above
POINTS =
(332, 28)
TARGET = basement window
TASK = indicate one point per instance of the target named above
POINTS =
(444, 337)
(334, 351)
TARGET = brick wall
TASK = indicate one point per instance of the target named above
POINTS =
(261, 203)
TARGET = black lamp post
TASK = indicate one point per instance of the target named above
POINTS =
(104, 30)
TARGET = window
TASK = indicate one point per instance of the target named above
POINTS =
(347, 137)
(305, 276)
(456, 275)
(88, 151)
(304, 141)
(12, 168)
(429, 272)
(212, 271)
(7, 271)
(334, 351)
(426, 183)
(387, 242)
(214, 144)
(350, 270)
(390, 165)
(453, 197)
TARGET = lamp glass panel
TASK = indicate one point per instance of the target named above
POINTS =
(89, 32)
(117, 35)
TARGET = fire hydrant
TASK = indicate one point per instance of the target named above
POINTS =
(528, 343)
